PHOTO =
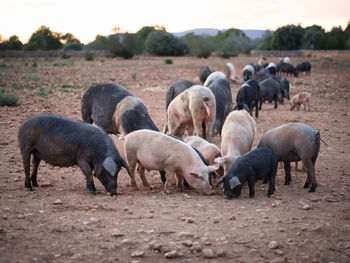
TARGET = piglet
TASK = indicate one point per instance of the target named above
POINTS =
(299, 99)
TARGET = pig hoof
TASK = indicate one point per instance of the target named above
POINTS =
(286, 182)
(167, 191)
(30, 189)
(92, 191)
(35, 184)
(306, 185)
(313, 188)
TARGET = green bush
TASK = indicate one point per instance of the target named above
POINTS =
(199, 46)
(168, 61)
(89, 56)
(124, 45)
(65, 56)
(162, 43)
(8, 99)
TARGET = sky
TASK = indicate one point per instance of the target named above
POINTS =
(87, 18)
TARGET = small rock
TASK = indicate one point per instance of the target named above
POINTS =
(185, 234)
(306, 207)
(137, 253)
(41, 211)
(221, 252)
(189, 220)
(117, 233)
(187, 243)
(171, 254)
(273, 245)
(93, 219)
(196, 247)
(127, 241)
(207, 253)
(279, 252)
(58, 202)
(20, 216)
(216, 220)
(232, 218)
(155, 245)
(187, 196)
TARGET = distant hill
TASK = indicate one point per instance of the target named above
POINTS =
(251, 33)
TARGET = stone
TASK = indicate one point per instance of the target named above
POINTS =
(117, 233)
(137, 253)
(189, 220)
(216, 220)
(155, 245)
(306, 207)
(185, 234)
(171, 254)
(279, 252)
(187, 243)
(273, 245)
(58, 202)
(207, 253)
(221, 252)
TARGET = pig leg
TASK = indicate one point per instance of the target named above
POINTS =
(35, 164)
(141, 171)
(288, 177)
(251, 183)
(256, 109)
(26, 165)
(87, 171)
(180, 181)
(311, 179)
(272, 177)
(197, 123)
(275, 101)
(169, 173)
(176, 126)
(189, 130)
(132, 166)
(298, 106)
(208, 130)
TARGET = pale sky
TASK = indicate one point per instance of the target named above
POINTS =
(87, 18)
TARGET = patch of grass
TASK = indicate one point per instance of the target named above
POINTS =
(65, 56)
(133, 75)
(299, 82)
(32, 76)
(168, 61)
(35, 64)
(63, 63)
(43, 91)
(23, 86)
(8, 99)
(66, 88)
(89, 56)
(328, 59)
(3, 65)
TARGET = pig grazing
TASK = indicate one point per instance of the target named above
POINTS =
(213, 76)
(156, 151)
(248, 72)
(248, 96)
(203, 74)
(193, 108)
(287, 68)
(304, 67)
(175, 89)
(270, 90)
(64, 142)
(223, 97)
(115, 109)
(209, 150)
(236, 138)
(294, 142)
(299, 99)
(258, 164)
(231, 73)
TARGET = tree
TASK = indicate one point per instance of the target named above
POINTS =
(267, 39)
(144, 32)
(124, 45)
(100, 43)
(289, 37)
(71, 42)
(336, 38)
(314, 37)
(44, 39)
(162, 43)
(13, 43)
(199, 46)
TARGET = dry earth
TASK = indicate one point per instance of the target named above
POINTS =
(142, 226)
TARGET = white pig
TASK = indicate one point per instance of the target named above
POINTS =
(153, 150)
(209, 150)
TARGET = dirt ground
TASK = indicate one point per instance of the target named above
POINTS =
(62, 222)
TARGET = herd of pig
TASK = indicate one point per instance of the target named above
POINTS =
(199, 111)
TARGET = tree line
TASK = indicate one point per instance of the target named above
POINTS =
(156, 40)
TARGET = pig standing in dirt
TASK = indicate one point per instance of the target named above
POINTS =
(115, 109)
(299, 99)
(231, 72)
(209, 150)
(214, 76)
(193, 108)
(294, 142)
(203, 74)
(156, 151)
(236, 138)
(64, 142)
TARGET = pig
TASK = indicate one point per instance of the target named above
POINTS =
(156, 151)
(204, 73)
(287, 68)
(236, 138)
(213, 76)
(248, 72)
(294, 142)
(193, 108)
(272, 68)
(286, 60)
(173, 90)
(115, 109)
(260, 163)
(64, 142)
(209, 150)
(285, 87)
(299, 99)
(270, 89)
(304, 67)
(231, 73)
(223, 97)
(248, 96)
(262, 75)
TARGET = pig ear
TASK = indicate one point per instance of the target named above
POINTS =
(213, 168)
(234, 182)
(110, 165)
(220, 160)
(196, 173)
